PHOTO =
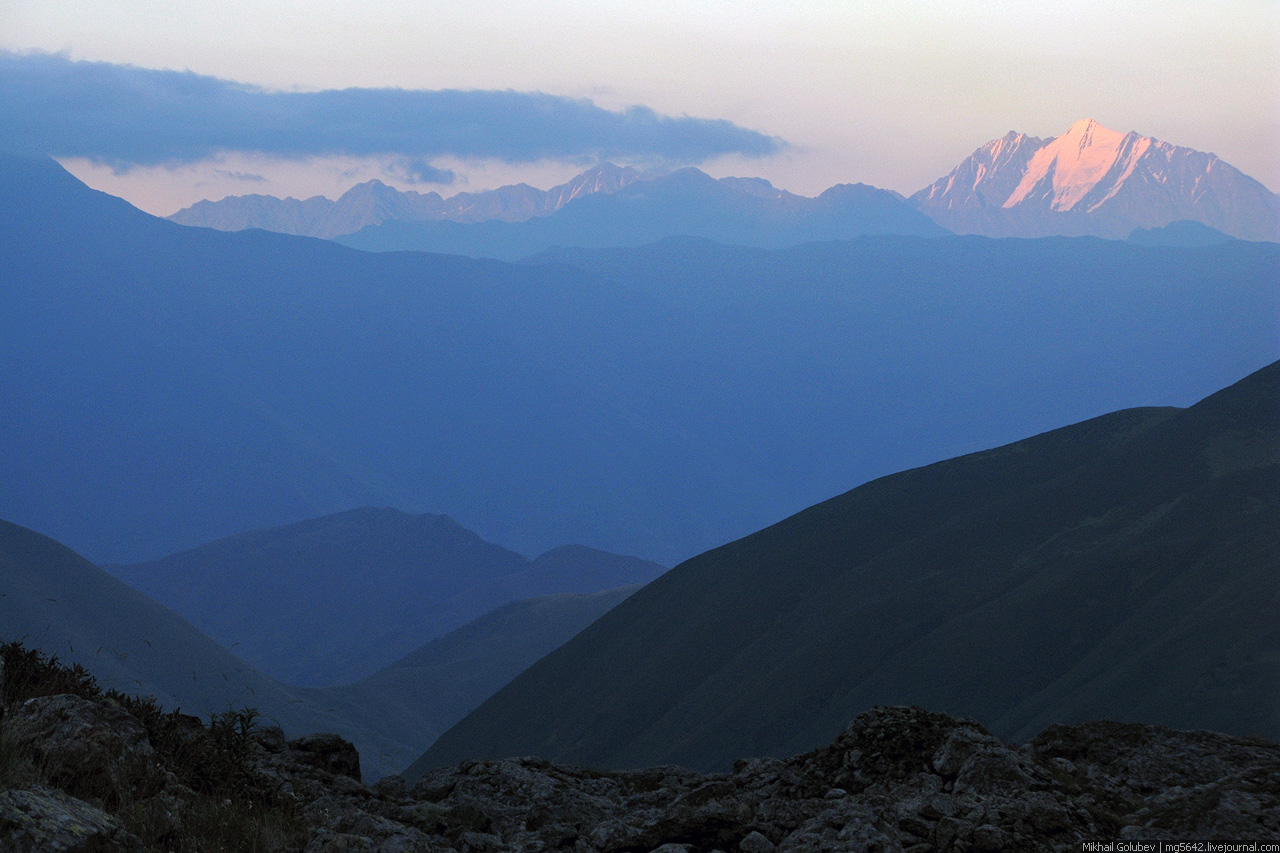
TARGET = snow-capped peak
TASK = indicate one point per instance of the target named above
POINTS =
(1069, 168)
(986, 177)
(1094, 180)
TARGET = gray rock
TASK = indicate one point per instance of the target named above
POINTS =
(270, 738)
(897, 779)
(328, 752)
(43, 820)
(754, 842)
(328, 841)
(959, 746)
(95, 751)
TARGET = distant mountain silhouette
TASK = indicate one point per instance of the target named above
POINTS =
(1123, 567)
(373, 202)
(331, 600)
(1092, 180)
(54, 600)
(167, 386)
(688, 202)
(1185, 232)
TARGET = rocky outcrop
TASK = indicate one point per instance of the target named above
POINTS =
(897, 779)
(45, 820)
(329, 752)
(94, 750)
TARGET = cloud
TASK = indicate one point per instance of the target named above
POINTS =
(127, 116)
(419, 171)
(240, 176)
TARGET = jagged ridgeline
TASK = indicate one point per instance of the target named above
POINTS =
(1123, 567)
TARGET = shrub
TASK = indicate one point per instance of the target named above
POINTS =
(235, 808)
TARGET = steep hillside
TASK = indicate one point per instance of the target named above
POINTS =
(1123, 567)
(333, 599)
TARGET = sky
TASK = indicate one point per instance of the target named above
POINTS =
(166, 103)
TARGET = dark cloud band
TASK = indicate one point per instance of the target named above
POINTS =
(123, 115)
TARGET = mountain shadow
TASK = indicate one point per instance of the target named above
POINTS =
(1123, 567)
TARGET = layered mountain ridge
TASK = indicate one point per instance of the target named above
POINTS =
(172, 385)
(332, 599)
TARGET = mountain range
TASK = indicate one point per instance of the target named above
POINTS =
(331, 600)
(53, 600)
(687, 202)
(1088, 181)
(373, 202)
(168, 386)
(1120, 568)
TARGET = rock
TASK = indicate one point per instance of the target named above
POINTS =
(328, 752)
(897, 779)
(391, 788)
(161, 814)
(754, 842)
(270, 738)
(328, 841)
(958, 747)
(95, 751)
(43, 820)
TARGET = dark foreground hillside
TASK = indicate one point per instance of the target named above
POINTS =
(1124, 567)
(83, 772)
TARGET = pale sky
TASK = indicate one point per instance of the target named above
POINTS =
(894, 94)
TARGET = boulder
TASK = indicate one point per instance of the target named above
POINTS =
(328, 752)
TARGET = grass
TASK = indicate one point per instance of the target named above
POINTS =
(232, 806)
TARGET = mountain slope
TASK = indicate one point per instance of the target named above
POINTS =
(1092, 180)
(1122, 567)
(433, 687)
(687, 202)
(333, 599)
(373, 202)
(168, 386)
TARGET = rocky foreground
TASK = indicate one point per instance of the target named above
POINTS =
(82, 776)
